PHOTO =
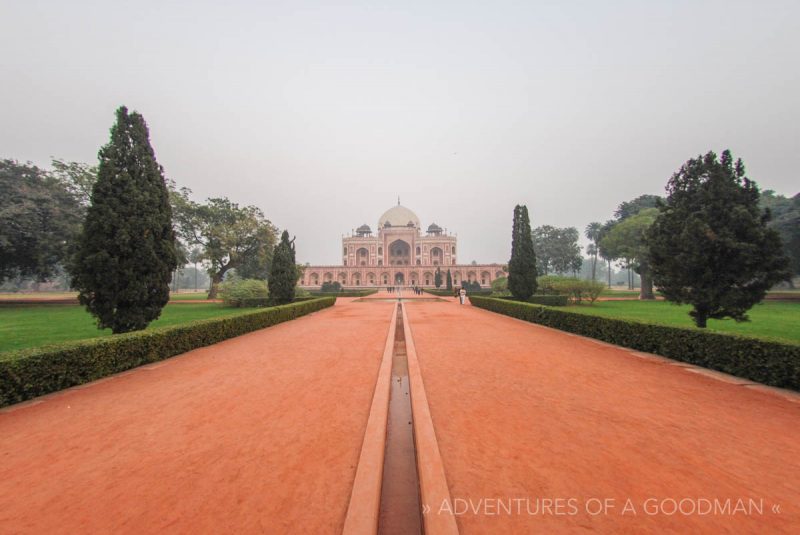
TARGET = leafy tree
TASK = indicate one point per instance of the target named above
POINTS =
(557, 249)
(786, 220)
(624, 211)
(126, 253)
(235, 291)
(437, 277)
(710, 245)
(283, 274)
(256, 266)
(522, 266)
(626, 240)
(78, 178)
(500, 285)
(631, 208)
(330, 287)
(449, 280)
(39, 220)
(230, 236)
(471, 286)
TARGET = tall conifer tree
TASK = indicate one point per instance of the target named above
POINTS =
(283, 272)
(449, 281)
(522, 266)
(126, 253)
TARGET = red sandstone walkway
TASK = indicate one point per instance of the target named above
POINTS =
(259, 434)
(262, 433)
(521, 411)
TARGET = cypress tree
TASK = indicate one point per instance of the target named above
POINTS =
(283, 272)
(522, 266)
(710, 245)
(437, 277)
(449, 281)
(126, 252)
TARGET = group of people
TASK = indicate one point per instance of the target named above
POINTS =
(396, 289)
(459, 293)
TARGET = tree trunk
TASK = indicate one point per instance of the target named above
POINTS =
(609, 272)
(700, 321)
(646, 292)
(700, 315)
(594, 266)
(215, 281)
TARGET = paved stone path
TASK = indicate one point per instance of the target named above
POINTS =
(258, 434)
(262, 433)
(524, 412)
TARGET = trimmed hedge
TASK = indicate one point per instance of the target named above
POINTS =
(259, 302)
(547, 300)
(343, 293)
(451, 293)
(28, 373)
(771, 363)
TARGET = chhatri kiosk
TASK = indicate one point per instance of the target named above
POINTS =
(399, 253)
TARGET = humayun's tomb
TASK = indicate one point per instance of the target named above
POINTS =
(399, 255)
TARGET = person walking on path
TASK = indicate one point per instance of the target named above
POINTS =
(462, 295)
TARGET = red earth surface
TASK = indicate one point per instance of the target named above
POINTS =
(539, 431)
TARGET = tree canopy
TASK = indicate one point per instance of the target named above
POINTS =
(126, 252)
(39, 220)
(785, 220)
(627, 239)
(231, 237)
(557, 249)
(711, 245)
(631, 208)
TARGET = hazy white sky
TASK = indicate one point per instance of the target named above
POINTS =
(322, 113)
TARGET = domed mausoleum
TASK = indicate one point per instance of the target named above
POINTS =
(400, 254)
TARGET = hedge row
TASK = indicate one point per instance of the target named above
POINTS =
(259, 302)
(547, 300)
(771, 363)
(343, 293)
(33, 372)
(451, 293)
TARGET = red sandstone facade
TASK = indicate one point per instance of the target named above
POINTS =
(399, 255)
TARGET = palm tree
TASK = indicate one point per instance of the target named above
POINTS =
(601, 250)
(593, 232)
(195, 256)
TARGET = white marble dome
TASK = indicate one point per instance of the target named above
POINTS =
(398, 216)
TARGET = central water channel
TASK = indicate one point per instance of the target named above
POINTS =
(400, 510)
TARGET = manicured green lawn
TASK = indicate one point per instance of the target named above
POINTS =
(34, 325)
(773, 320)
(193, 296)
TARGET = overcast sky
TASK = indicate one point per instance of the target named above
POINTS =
(322, 113)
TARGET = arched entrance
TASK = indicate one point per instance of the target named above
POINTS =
(399, 279)
(399, 253)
